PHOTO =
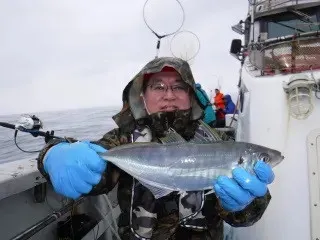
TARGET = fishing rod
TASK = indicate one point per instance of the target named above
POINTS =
(29, 232)
(32, 124)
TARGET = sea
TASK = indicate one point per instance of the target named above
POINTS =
(82, 124)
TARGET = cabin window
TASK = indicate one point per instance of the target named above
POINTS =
(290, 23)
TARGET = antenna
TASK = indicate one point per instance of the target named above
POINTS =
(218, 78)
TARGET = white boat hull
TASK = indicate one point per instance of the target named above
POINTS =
(265, 120)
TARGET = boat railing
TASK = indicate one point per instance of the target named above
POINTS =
(266, 7)
(289, 56)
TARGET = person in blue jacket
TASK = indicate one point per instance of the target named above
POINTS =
(230, 108)
(209, 114)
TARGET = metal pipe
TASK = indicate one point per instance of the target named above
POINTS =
(252, 19)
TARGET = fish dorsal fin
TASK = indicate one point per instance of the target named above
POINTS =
(212, 134)
(131, 145)
(199, 138)
(172, 137)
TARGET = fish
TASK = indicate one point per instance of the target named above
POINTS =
(180, 166)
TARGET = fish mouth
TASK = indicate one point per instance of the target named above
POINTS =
(277, 161)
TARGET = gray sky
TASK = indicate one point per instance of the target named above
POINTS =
(74, 53)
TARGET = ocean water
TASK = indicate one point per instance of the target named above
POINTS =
(82, 124)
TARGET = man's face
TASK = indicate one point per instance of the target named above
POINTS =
(217, 91)
(166, 92)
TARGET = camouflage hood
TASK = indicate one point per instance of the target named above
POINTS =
(156, 65)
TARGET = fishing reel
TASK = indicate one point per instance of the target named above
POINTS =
(29, 124)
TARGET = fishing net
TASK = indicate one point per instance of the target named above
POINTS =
(164, 18)
(185, 45)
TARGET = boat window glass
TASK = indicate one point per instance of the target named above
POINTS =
(290, 23)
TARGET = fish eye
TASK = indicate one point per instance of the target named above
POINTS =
(265, 157)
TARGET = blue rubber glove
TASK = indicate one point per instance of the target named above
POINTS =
(237, 193)
(74, 168)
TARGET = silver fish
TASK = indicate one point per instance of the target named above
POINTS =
(184, 166)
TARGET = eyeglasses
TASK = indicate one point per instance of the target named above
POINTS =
(179, 89)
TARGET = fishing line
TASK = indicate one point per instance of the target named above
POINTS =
(157, 32)
(15, 142)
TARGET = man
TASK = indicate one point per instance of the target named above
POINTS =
(218, 99)
(209, 114)
(161, 96)
(220, 114)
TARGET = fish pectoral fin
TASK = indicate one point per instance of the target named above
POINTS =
(172, 137)
(156, 191)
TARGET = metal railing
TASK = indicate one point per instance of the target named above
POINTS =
(291, 56)
(264, 6)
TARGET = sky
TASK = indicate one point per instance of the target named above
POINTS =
(68, 54)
